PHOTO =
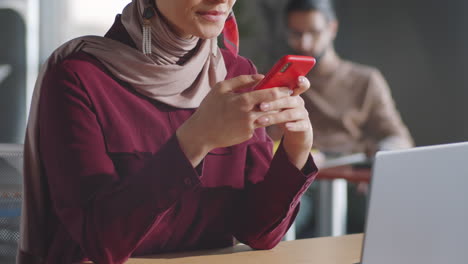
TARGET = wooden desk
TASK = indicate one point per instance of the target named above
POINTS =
(326, 250)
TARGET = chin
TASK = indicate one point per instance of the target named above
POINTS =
(208, 32)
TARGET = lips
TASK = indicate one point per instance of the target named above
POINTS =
(212, 16)
(212, 12)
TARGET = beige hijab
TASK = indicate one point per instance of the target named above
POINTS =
(179, 72)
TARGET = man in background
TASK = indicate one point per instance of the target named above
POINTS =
(350, 105)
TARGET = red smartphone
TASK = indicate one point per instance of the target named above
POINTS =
(286, 71)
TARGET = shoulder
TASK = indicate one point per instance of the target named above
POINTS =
(81, 63)
(71, 56)
(237, 65)
(360, 70)
(368, 75)
(79, 66)
(77, 73)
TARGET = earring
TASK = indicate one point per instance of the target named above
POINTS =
(148, 13)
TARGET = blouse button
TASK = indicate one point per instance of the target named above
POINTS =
(187, 181)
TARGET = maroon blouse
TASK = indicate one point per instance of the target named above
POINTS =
(120, 185)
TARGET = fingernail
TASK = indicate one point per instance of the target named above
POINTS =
(265, 106)
(302, 79)
(264, 120)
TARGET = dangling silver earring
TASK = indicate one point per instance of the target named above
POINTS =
(148, 13)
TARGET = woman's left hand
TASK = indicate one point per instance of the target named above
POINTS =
(291, 114)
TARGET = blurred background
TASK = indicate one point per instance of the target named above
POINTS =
(419, 45)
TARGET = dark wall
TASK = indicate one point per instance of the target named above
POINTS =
(13, 87)
(420, 46)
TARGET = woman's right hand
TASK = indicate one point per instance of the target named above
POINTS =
(225, 117)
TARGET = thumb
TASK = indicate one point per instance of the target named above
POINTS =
(237, 84)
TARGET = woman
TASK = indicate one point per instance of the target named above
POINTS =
(148, 140)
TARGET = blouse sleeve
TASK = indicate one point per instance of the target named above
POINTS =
(94, 203)
(272, 194)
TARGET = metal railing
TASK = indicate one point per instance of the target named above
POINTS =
(11, 170)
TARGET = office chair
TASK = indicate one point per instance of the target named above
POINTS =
(11, 170)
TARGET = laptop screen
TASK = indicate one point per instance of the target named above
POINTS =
(418, 210)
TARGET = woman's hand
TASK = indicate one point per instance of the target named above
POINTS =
(291, 114)
(228, 117)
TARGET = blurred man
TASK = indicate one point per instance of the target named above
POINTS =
(349, 104)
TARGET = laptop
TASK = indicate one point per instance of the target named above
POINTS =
(418, 208)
